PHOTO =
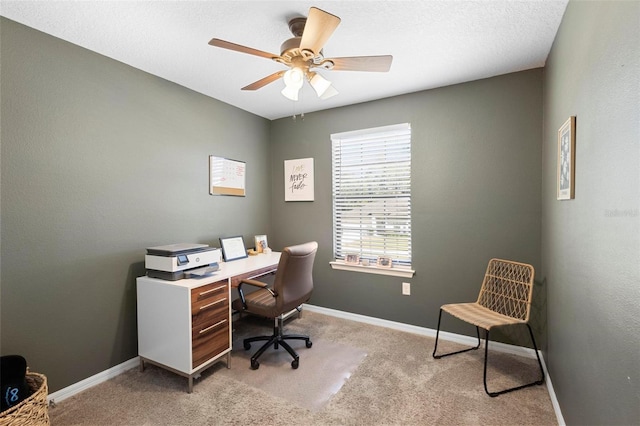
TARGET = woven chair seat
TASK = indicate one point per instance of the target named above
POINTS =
(478, 315)
(504, 299)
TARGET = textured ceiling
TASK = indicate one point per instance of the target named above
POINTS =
(433, 43)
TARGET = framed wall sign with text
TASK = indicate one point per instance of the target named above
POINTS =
(298, 180)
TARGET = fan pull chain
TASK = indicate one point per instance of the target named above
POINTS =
(294, 116)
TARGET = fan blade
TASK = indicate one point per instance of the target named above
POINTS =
(359, 63)
(264, 81)
(317, 30)
(242, 49)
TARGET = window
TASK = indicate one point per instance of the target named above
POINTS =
(372, 194)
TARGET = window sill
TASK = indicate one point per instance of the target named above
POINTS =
(396, 271)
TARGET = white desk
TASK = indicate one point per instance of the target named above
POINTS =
(185, 326)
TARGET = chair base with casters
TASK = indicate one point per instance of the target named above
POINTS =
(504, 300)
(276, 339)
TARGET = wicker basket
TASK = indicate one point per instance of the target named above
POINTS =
(33, 410)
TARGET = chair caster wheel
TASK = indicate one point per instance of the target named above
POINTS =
(309, 343)
(247, 346)
(255, 364)
(295, 363)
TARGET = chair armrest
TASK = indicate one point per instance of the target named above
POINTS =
(254, 283)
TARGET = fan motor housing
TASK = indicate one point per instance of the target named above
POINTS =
(288, 46)
(296, 26)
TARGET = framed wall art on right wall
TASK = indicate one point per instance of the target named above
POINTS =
(567, 159)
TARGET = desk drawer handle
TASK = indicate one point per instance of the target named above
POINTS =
(212, 326)
(212, 290)
(212, 303)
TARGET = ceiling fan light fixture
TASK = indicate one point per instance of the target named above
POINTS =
(319, 83)
(294, 78)
(331, 91)
(290, 92)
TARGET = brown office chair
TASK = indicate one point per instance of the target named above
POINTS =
(504, 300)
(292, 287)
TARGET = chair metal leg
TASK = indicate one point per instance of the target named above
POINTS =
(255, 339)
(294, 354)
(435, 348)
(297, 337)
(254, 358)
(537, 382)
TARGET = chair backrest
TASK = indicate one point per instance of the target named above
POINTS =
(507, 288)
(294, 282)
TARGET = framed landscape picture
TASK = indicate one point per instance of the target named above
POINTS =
(567, 159)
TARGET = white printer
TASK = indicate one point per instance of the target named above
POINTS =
(177, 261)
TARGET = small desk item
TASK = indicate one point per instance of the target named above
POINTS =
(233, 248)
(184, 326)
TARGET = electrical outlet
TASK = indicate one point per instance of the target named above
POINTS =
(406, 289)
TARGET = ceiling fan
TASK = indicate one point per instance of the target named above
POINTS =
(303, 54)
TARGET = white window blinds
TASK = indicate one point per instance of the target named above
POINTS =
(372, 193)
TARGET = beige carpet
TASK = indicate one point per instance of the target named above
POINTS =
(396, 383)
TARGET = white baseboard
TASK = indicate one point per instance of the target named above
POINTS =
(429, 332)
(89, 382)
(552, 395)
(452, 337)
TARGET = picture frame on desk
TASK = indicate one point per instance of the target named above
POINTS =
(261, 243)
(233, 248)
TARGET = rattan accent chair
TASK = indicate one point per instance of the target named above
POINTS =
(504, 300)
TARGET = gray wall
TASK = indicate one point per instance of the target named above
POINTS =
(591, 245)
(476, 179)
(99, 161)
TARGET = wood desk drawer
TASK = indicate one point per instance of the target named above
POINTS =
(217, 309)
(209, 340)
(207, 294)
